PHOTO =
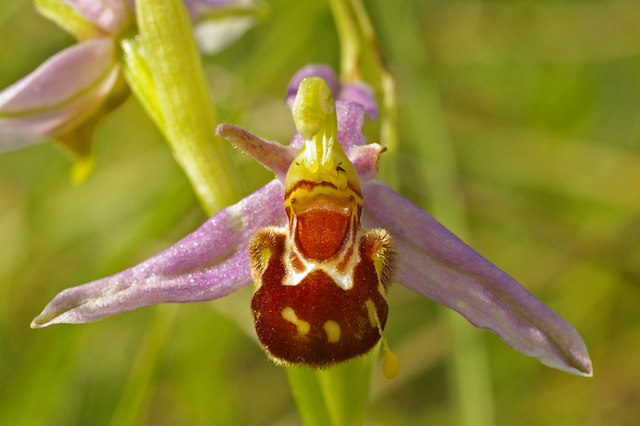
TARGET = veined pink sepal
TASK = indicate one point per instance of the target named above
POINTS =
(207, 264)
(437, 264)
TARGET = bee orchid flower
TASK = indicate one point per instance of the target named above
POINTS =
(67, 96)
(323, 242)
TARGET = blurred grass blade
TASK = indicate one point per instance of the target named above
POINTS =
(135, 395)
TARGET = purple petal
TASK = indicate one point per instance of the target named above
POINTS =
(350, 124)
(59, 94)
(362, 94)
(60, 77)
(278, 157)
(109, 15)
(313, 70)
(365, 159)
(272, 155)
(209, 263)
(435, 263)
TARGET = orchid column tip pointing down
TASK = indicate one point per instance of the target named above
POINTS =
(312, 248)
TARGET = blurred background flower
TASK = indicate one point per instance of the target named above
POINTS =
(68, 95)
(547, 90)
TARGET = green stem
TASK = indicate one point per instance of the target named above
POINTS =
(350, 49)
(306, 390)
(389, 114)
(185, 102)
(140, 80)
(345, 388)
(356, 31)
(335, 396)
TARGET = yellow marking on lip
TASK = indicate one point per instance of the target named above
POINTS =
(332, 329)
(290, 315)
(371, 310)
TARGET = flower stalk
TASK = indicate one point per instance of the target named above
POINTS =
(185, 102)
(358, 45)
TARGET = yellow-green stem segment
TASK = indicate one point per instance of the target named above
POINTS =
(185, 102)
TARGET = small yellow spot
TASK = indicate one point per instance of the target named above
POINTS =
(290, 315)
(332, 329)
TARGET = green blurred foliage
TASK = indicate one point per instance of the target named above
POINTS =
(539, 104)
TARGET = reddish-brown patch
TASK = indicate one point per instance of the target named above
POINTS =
(295, 262)
(351, 246)
(320, 233)
(342, 266)
(316, 300)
